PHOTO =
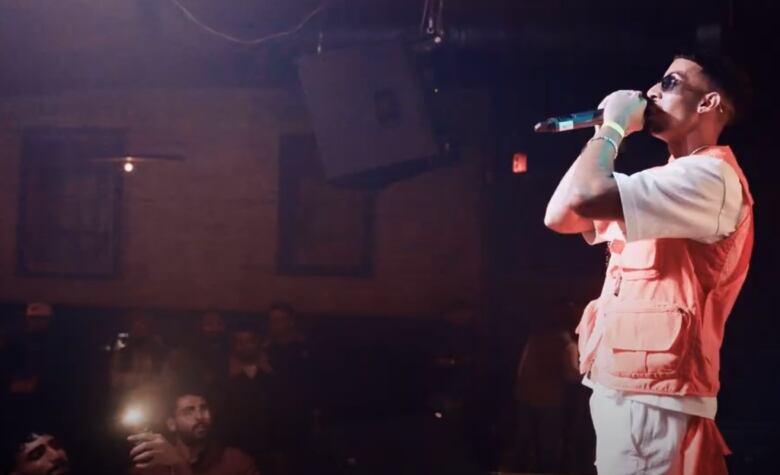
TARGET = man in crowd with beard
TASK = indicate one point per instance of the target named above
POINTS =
(189, 449)
(30, 452)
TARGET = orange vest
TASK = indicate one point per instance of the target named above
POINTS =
(658, 325)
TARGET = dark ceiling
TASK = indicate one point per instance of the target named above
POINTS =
(51, 46)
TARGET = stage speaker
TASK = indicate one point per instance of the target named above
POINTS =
(368, 110)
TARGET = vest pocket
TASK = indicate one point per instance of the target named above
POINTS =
(642, 339)
(586, 343)
(638, 261)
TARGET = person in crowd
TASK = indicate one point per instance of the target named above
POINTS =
(205, 354)
(142, 360)
(247, 422)
(139, 370)
(291, 387)
(30, 356)
(32, 452)
(189, 447)
(546, 370)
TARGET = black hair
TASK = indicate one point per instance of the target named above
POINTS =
(185, 387)
(729, 77)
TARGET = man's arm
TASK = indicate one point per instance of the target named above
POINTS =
(152, 451)
(588, 191)
(559, 216)
(594, 192)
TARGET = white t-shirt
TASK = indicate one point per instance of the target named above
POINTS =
(696, 197)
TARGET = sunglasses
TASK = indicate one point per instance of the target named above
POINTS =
(669, 82)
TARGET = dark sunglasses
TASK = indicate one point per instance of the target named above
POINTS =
(669, 82)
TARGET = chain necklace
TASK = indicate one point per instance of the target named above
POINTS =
(700, 148)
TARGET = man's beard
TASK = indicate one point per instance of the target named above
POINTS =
(656, 121)
(654, 126)
(198, 433)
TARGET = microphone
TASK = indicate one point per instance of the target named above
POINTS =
(581, 120)
(577, 120)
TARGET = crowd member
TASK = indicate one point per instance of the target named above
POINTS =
(247, 422)
(189, 448)
(32, 452)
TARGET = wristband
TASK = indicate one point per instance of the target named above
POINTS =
(608, 140)
(616, 127)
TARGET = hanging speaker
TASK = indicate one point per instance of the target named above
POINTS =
(368, 110)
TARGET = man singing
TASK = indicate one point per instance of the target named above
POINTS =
(680, 238)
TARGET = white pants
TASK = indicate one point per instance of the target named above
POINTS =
(633, 438)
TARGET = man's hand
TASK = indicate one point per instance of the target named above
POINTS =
(153, 450)
(626, 108)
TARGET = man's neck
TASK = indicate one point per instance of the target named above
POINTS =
(191, 452)
(692, 142)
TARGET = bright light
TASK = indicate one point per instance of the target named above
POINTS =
(133, 417)
(129, 167)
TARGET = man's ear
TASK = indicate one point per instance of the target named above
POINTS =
(171, 424)
(711, 101)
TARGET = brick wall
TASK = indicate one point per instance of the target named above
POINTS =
(203, 232)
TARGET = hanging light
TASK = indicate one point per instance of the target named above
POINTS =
(130, 161)
(128, 166)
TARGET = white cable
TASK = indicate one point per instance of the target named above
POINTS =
(255, 41)
(440, 19)
(424, 16)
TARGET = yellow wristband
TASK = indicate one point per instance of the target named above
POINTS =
(616, 127)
